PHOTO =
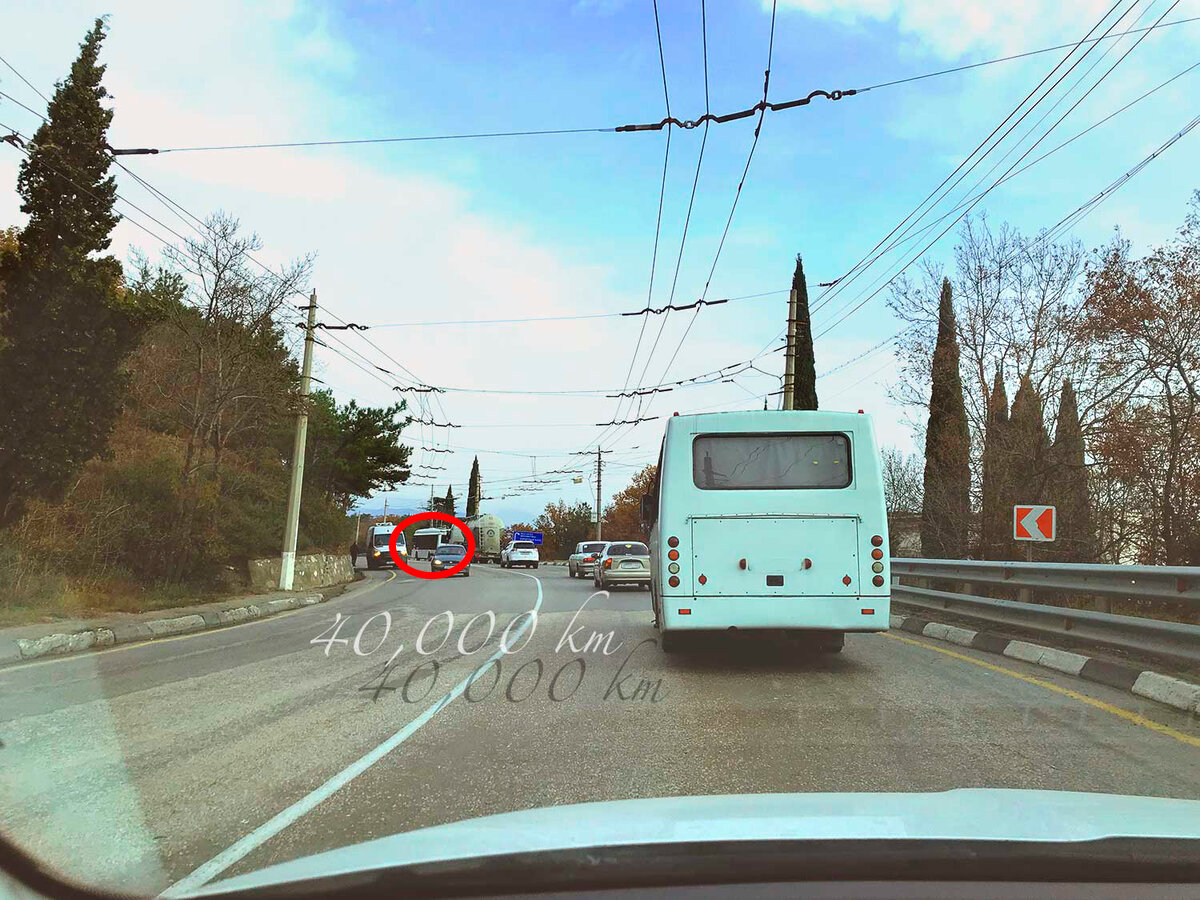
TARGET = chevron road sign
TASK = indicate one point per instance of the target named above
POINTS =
(1034, 523)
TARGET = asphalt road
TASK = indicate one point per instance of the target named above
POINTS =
(137, 766)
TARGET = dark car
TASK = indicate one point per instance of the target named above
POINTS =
(447, 556)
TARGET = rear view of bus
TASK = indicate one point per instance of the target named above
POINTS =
(770, 520)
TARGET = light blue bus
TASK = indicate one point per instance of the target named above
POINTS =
(769, 519)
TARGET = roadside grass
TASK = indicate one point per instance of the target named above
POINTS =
(31, 593)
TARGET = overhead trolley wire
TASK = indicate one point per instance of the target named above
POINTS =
(903, 236)
(863, 262)
(762, 107)
(1020, 159)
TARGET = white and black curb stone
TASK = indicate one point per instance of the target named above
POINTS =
(1151, 685)
(58, 644)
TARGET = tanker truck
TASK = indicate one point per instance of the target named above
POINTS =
(488, 531)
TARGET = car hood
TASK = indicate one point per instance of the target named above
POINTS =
(969, 814)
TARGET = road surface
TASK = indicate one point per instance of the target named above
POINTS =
(143, 765)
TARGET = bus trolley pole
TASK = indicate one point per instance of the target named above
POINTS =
(291, 528)
(789, 371)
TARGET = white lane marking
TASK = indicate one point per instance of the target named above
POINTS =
(273, 826)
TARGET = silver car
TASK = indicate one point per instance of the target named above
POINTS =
(623, 562)
(583, 560)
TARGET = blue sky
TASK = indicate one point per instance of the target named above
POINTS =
(564, 225)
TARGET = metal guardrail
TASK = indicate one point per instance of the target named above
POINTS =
(1133, 582)
(1176, 640)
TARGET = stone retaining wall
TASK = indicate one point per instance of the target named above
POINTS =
(313, 570)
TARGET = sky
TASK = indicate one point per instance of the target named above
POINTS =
(565, 225)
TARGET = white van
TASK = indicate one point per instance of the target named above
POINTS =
(377, 542)
(769, 519)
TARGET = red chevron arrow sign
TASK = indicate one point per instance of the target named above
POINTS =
(1034, 523)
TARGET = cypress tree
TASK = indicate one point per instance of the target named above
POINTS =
(1028, 455)
(1069, 485)
(944, 513)
(804, 389)
(448, 500)
(68, 322)
(473, 490)
(995, 527)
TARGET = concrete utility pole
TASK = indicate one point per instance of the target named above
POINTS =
(291, 527)
(789, 370)
(599, 467)
(598, 517)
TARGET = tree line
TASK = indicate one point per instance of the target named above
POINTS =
(1103, 350)
(147, 410)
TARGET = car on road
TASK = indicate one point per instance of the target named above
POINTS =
(583, 560)
(519, 553)
(447, 557)
(377, 542)
(622, 562)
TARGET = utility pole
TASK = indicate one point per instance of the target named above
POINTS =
(789, 370)
(599, 467)
(287, 568)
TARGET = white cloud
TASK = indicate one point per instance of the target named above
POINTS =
(950, 30)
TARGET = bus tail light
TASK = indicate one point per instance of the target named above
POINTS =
(807, 563)
(672, 555)
(685, 612)
(846, 580)
(673, 581)
(877, 540)
(702, 579)
(867, 612)
(672, 542)
(876, 553)
(877, 581)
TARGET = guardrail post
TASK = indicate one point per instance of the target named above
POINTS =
(1104, 604)
(1023, 595)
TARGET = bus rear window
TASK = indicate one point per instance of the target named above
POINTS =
(724, 462)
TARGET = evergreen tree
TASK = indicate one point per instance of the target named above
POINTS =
(804, 389)
(68, 321)
(1028, 454)
(995, 524)
(447, 504)
(473, 490)
(1069, 485)
(944, 512)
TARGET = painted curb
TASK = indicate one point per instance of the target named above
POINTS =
(1164, 689)
(23, 649)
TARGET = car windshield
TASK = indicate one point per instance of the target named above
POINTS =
(619, 549)
(837, 363)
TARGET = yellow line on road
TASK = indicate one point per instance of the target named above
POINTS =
(1125, 714)
(182, 637)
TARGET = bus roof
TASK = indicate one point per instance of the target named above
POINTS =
(756, 420)
(431, 531)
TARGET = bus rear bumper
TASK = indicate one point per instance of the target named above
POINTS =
(818, 613)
